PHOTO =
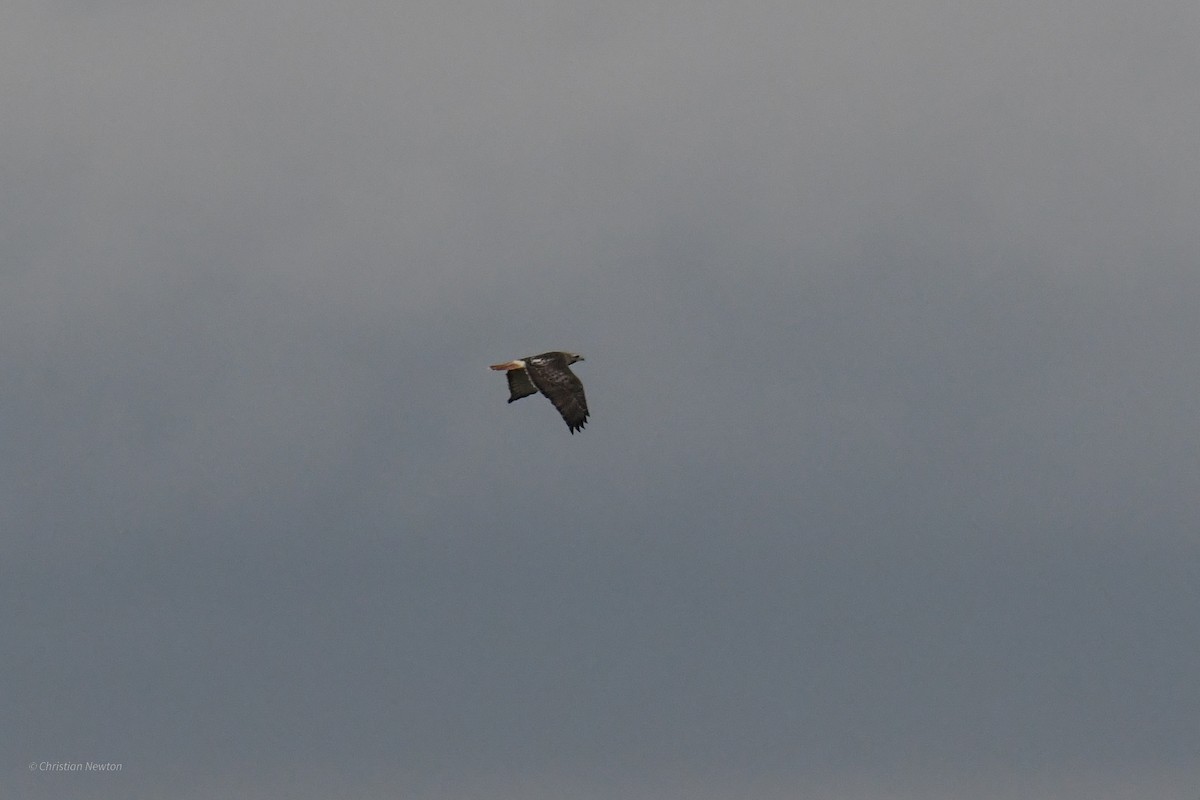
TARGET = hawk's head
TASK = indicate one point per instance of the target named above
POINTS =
(573, 357)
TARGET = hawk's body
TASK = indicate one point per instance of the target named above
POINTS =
(549, 373)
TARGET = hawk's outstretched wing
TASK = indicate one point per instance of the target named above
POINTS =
(519, 385)
(552, 376)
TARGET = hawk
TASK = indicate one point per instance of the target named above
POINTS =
(550, 373)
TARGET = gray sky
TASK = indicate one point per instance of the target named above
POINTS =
(892, 482)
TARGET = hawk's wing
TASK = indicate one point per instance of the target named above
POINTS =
(553, 378)
(519, 384)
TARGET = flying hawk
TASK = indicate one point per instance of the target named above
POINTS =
(550, 374)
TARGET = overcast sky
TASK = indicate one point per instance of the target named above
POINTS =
(890, 312)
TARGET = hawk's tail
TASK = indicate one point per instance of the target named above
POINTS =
(507, 365)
